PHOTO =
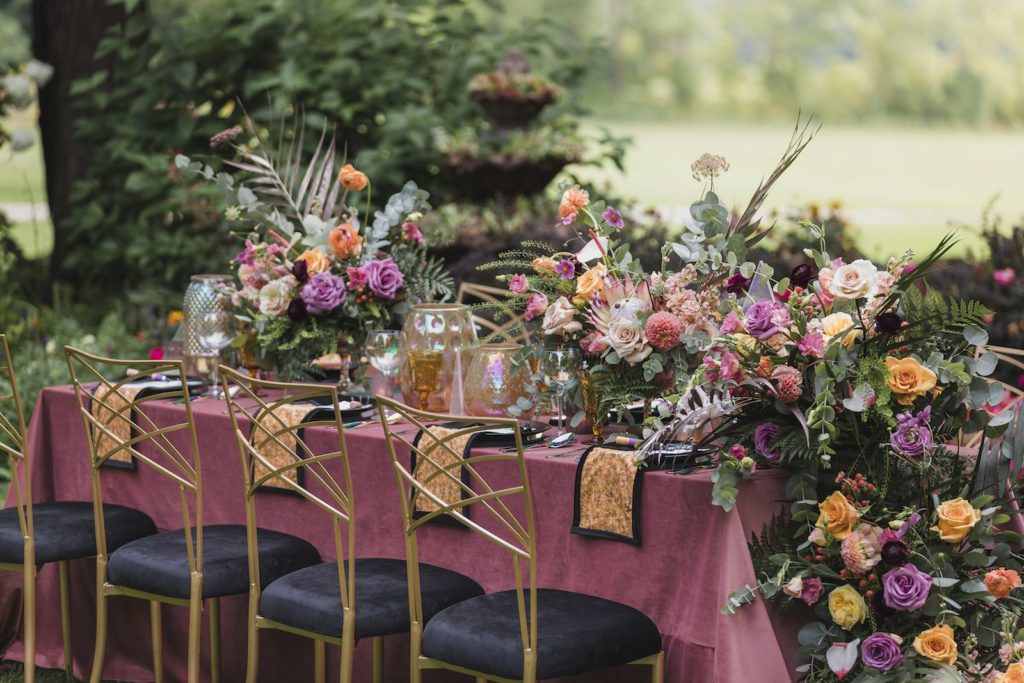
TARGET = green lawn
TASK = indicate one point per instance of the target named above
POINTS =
(902, 187)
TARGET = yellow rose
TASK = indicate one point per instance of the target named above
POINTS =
(908, 379)
(1013, 674)
(937, 644)
(745, 343)
(590, 283)
(837, 516)
(316, 261)
(831, 325)
(847, 607)
(956, 519)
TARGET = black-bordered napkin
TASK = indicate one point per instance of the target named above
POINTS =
(607, 496)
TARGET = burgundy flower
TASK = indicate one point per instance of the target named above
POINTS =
(737, 284)
(297, 311)
(300, 269)
(895, 553)
(802, 274)
(878, 606)
(889, 323)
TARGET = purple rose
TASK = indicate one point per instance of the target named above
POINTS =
(881, 651)
(913, 436)
(764, 318)
(323, 292)
(737, 284)
(895, 553)
(384, 278)
(764, 441)
(906, 588)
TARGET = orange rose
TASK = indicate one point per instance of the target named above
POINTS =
(1013, 674)
(590, 283)
(316, 261)
(956, 519)
(837, 516)
(1001, 581)
(937, 644)
(573, 200)
(543, 264)
(908, 379)
(345, 241)
(351, 179)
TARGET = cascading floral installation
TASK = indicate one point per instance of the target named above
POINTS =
(312, 272)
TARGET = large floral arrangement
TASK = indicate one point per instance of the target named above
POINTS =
(645, 332)
(313, 273)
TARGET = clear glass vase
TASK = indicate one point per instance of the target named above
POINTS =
(439, 339)
(205, 295)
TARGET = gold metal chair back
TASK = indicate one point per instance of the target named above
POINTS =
(515, 532)
(504, 322)
(12, 438)
(273, 448)
(115, 424)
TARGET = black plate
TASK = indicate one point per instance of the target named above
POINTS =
(675, 455)
(369, 403)
(532, 431)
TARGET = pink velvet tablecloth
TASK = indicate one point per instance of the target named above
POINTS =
(692, 555)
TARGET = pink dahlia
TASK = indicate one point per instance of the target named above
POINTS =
(663, 330)
(788, 383)
(862, 549)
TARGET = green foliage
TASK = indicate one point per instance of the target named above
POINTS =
(387, 74)
(293, 346)
(776, 537)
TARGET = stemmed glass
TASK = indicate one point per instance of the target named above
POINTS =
(560, 368)
(216, 331)
(384, 348)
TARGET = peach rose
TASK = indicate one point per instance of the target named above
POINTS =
(1001, 581)
(956, 519)
(351, 179)
(908, 379)
(1013, 674)
(854, 280)
(590, 283)
(837, 516)
(316, 261)
(573, 200)
(345, 241)
(543, 264)
(937, 644)
(834, 324)
(560, 318)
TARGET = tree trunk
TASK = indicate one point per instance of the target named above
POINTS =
(65, 34)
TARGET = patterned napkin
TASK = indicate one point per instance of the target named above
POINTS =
(283, 450)
(607, 496)
(114, 409)
(441, 486)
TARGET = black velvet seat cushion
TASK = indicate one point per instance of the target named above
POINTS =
(576, 633)
(159, 564)
(66, 530)
(310, 598)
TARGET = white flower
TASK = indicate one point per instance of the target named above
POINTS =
(854, 280)
(841, 657)
(593, 250)
(560, 318)
(794, 588)
(627, 340)
(275, 297)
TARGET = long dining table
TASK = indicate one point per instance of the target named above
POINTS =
(691, 556)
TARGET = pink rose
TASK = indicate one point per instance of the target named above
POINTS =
(812, 345)
(811, 590)
(517, 284)
(412, 232)
(1004, 276)
(535, 306)
(732, 323)
(738, 451)
(593, 344)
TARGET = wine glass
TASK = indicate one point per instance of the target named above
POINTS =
(560, 368)
(591, 403)
(426, 368)
(384, 348)
(215, 331)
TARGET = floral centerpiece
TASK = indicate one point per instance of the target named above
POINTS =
(313, 274)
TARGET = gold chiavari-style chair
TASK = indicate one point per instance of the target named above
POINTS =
(339, 602)
(187, 569)
(502, 321)
(524, 634)
(33, 535)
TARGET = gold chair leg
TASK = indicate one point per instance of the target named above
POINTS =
(658, 669)
(319, 657)
(65, 619)
(348, 647)
(29, 618)
(101, 623)
(252, 657)
(415, 643)
(214, 640)
(195, 627)
(156, 635)
(378, 660)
